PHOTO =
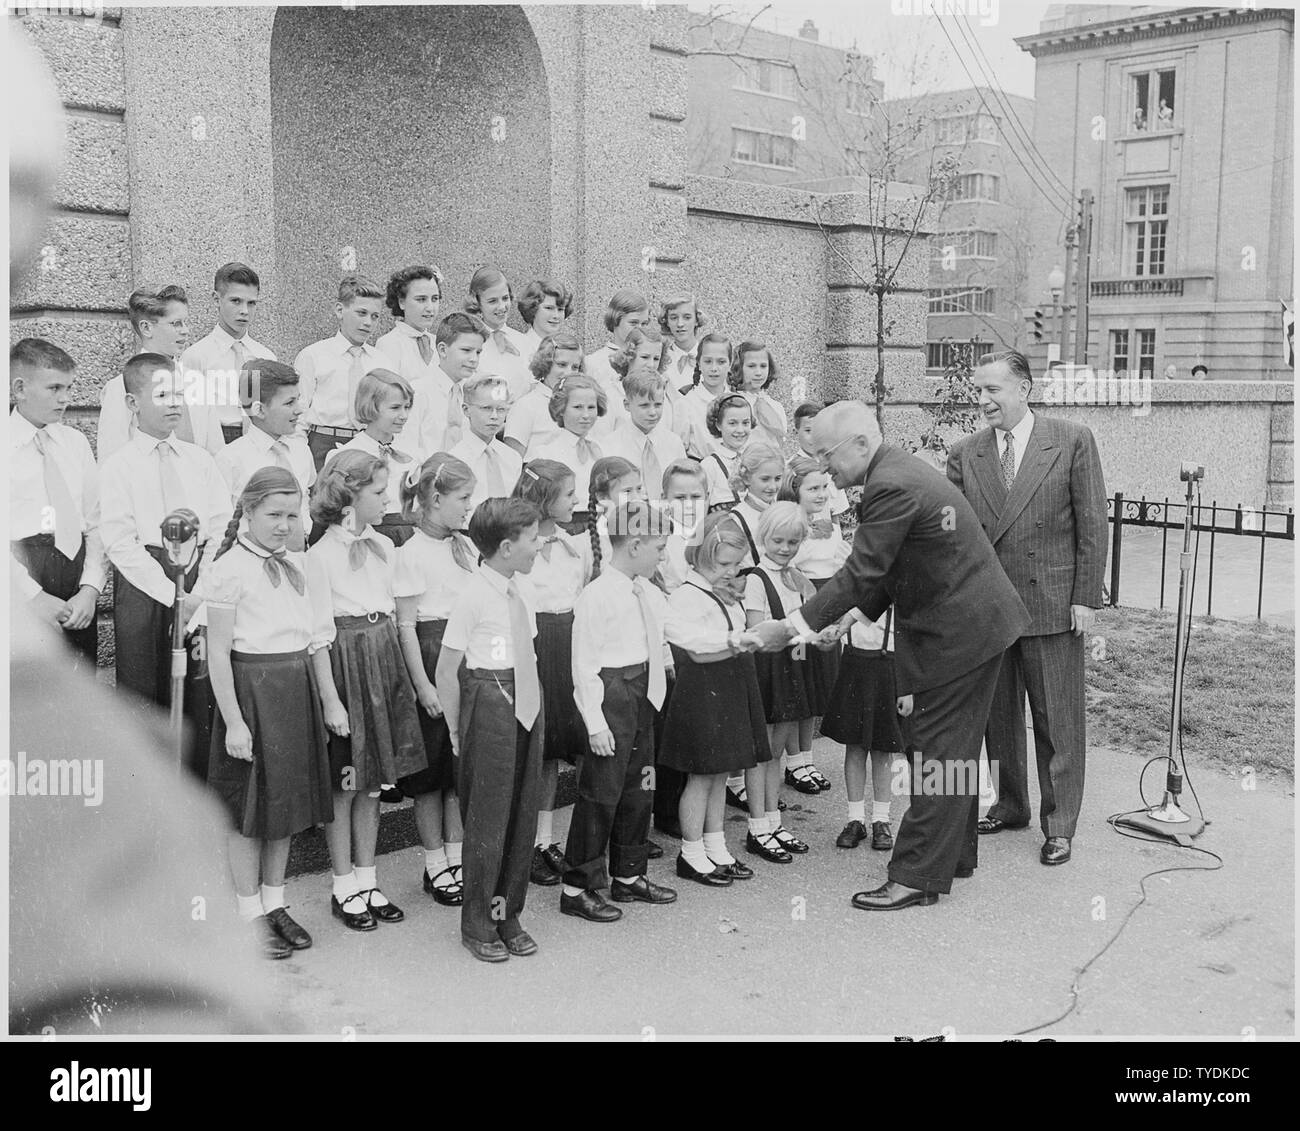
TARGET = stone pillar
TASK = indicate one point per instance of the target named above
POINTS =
(1281, 451)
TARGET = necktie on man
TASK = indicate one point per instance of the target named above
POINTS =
(657, 687)
(1009, 461)
(356, 370)
(173, 495)
(503, 344)
(280, 453)
(425, 347)
(496, 483)
(67, 518)
(455, 418)
(652, 471)
(528, 693)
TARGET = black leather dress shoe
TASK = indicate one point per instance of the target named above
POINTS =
(787, 840)
(391, 795)
(494, 951)
(356, 920)
(767, 847)
(803, 783)
(270, 940)
(541, 872)
(893, 897)
(853, 834)
(521, 945)
(641, 890)
(449, 895)
(653, 851)
(987, 825)
(715, 879)
(1056, 850)
(669, 826)
(964, 872)
(736, 870)
(383, 912)
(554, 856)
(288, 930)
(736, 801)
(590, 905)
(882, 840)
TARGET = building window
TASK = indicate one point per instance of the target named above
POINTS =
(1152, 94)
(961, 300)
(939, 355)
(958, 129)
(857, 162)
(975, 186)
(1146, 229)
(766, 77)
(754, 147)
(859, 97)
(1119, 351)
(1146, 353)
(965, 243)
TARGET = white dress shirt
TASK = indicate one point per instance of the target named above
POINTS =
(679, 366)
(427, 568)
(773, 407)
(401, 345)
(751, 516)
(474, 452)
(268, 618)
(479, 626)
(674, 568)
(629, 442)
(871, 635)
(597, 366)
(822, 557)
(338, 590)
(719, 477)
(117, 422)
(691, 607)
(692, 420)
(530, 422)
(217, 357)
(1020, 439)
(563, 446)
(756, 592)
(362, 442)
(131, 507)
(323, 376)
(252, 451)
(513, 367)
(29, 511)
(554, 582)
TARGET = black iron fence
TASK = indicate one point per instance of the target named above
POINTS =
(1217, 521)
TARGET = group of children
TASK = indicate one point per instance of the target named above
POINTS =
(440, 565)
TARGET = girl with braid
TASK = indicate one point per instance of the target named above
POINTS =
(269, 761)
(614, 480)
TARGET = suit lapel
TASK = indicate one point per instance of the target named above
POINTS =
(1040, 453)
(988, 472)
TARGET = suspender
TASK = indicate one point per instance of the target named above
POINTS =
(716, 600)
(775, 606)
(726, 475)
(744, 526)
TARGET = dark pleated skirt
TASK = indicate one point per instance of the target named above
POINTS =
(783, 687)
(820, 669)
(565, 739)
(285, 789)
(385, 744)
(440, 773)
(714, 722)
(863, 710)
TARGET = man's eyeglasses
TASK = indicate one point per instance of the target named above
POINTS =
(824, 458)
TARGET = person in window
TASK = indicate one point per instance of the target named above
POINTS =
(1165, 120)
(1139, 119)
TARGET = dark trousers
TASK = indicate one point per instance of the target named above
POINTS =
(320, 444)
(498, 783)
(937, 833)
(669, 783)
(231, 432)
(142, 631)
(1050, 668)
(60, 577)
(615, 795)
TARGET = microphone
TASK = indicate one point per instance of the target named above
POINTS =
(178, 529)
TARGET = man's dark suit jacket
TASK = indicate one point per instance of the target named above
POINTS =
(1049, 531)
(920, 548)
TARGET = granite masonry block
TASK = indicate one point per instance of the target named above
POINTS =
(83, 264)
(94, 177)
(668, 225)
(666, 94)
(669, 26)
(667, 156)
(99, 346)
(1283, 422)
(849, 373)
(85, 57)
(851, 319)
(1281, 463)
(853, 256)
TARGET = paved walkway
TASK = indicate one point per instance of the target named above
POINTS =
(1209, 953)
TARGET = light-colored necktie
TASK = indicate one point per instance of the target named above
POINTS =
(356, 370)
(240, 350)
(657, 687)
(280, 453)
(586, 450)
(67, 517)
(652, 471)
(551, 540)
(455, 418)
(1009, 461)
(768, 417)
(425, 347)
(496, 483)
(395, 454)
(528, 694)
(503, 343)
(169, 478)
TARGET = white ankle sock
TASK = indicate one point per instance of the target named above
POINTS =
(545, 829)
(715, 848)
(570, 890)
(773, 820)
(435, 861)
(758, 826)
(858, 811)
(368, 880)
(250, 907)
(696, 855)
(453, 853)
(345, 886)
(272, 898)
(804, 758)
(627, 880)
(880, 811)
(736, 784)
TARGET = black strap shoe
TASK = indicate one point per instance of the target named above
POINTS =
(787, 840)
(882, 840)
(355, 920)
(715, 879)
(384, 912)
(541, 872)
(735, 870)
(799, 778)
(893, 897)
(766, 846)
(853, 834)
(288, 930)
(448, 895)
(590, 905)
(737, 800)
(641, 890)
(273, 946)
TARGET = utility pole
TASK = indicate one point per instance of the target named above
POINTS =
(1066, 305)
(1085, 277)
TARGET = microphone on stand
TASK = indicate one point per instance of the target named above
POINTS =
(179, 528)
(180, 538)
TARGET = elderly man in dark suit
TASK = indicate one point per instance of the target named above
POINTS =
(1036, 484)
(920, 548)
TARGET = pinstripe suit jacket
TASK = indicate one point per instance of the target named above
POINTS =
(1049, 530)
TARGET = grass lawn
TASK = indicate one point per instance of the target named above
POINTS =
(1239, 693)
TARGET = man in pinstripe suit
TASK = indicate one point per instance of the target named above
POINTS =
(1036, 485)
